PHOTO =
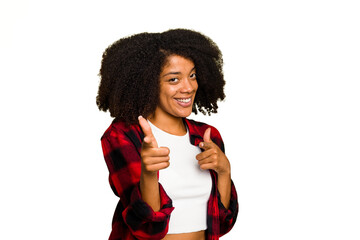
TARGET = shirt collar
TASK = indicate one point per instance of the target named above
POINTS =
(194, 133)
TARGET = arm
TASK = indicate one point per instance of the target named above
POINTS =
(124, 163)
(149, 189)
(153, 159)
(224, 188)
(213, 157)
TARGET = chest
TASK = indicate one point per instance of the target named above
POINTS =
(183, 179)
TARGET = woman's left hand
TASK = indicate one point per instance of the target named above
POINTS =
(212, 157)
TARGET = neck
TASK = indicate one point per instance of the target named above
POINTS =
(172, 125)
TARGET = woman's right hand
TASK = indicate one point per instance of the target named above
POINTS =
(153, 158)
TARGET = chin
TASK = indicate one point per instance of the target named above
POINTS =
(184, 114)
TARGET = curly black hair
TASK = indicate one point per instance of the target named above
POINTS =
(131, 66)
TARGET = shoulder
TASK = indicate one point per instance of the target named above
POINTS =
(197, 130)
(121, 130)
(200, 128)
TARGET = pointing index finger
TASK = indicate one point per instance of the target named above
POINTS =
(207, 143)
(149, 137)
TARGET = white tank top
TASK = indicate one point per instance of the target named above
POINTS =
(186, 184)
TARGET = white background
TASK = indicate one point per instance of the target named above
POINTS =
(290, 120)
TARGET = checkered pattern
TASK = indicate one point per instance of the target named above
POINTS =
(133, 218)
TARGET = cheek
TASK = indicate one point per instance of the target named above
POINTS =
(166, 94)
(170, 91)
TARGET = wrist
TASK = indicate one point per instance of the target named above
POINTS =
(148, 175)
(149, 189)
(225, 171)
(224, 174)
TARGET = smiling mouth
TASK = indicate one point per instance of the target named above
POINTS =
(183, 100)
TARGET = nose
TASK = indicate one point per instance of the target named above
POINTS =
(188, 85)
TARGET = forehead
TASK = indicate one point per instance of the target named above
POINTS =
(178, 62)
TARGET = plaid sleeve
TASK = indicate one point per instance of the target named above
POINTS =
(227, 217)
(123, 160)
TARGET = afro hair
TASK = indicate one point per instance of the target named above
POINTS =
(130, 69)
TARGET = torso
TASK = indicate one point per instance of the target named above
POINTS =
(185, 183)
(186, 236)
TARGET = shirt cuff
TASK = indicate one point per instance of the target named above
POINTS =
(143, 212)
(229, 214)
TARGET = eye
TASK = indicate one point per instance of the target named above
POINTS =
(193, 76)
(173, 80)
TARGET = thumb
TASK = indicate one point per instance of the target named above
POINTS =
(149, 139)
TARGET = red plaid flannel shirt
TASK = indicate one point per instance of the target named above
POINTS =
(135, 219)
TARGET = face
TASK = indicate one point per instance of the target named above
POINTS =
(178, 87)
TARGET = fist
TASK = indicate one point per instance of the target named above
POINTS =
(212, 157)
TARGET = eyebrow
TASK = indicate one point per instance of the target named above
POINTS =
(175, 73)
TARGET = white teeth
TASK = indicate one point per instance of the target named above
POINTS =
(184, 100)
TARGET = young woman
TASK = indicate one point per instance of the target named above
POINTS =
(171, 173)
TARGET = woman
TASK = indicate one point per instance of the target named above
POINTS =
(171, 173)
